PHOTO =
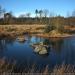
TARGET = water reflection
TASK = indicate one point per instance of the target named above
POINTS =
(49, 43)
(35, 40)
(56, 44)
(58, 49)
(21, 39)
(4, 43)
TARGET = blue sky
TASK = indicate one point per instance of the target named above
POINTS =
(23, 6)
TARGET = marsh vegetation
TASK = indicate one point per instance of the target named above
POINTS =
(42, 44)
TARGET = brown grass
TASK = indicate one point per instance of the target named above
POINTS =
(38, 30)
(7, 67)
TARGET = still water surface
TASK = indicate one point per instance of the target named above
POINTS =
(62, 50)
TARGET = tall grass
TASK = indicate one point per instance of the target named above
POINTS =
(8, 67)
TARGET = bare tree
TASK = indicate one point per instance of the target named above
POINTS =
(8, 18)
(46, 12)
(28, 15)
(40, 13)
(22, 16)
(73, 13)
(52, 14)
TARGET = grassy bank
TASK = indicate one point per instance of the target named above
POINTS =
(38, 30)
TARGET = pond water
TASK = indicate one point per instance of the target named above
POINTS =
(62, 50)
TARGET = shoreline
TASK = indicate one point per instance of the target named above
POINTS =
(15, 34)
(36, 30)
(48, 36)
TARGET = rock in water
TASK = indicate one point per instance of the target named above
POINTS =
(43, 51)
(36, 49)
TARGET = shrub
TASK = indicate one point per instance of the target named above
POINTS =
(49, 28)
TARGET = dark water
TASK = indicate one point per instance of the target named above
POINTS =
(62, 50)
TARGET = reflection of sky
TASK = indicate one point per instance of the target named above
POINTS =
(35, 40)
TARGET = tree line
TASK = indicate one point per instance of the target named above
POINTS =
(41, 17)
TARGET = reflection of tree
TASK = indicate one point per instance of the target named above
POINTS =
(10, 41)
(21, 42)
(28, 38)
(56, 44)
(46, 42)
(4, 43)
(21, 39)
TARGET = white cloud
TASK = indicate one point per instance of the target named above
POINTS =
(23, 13)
